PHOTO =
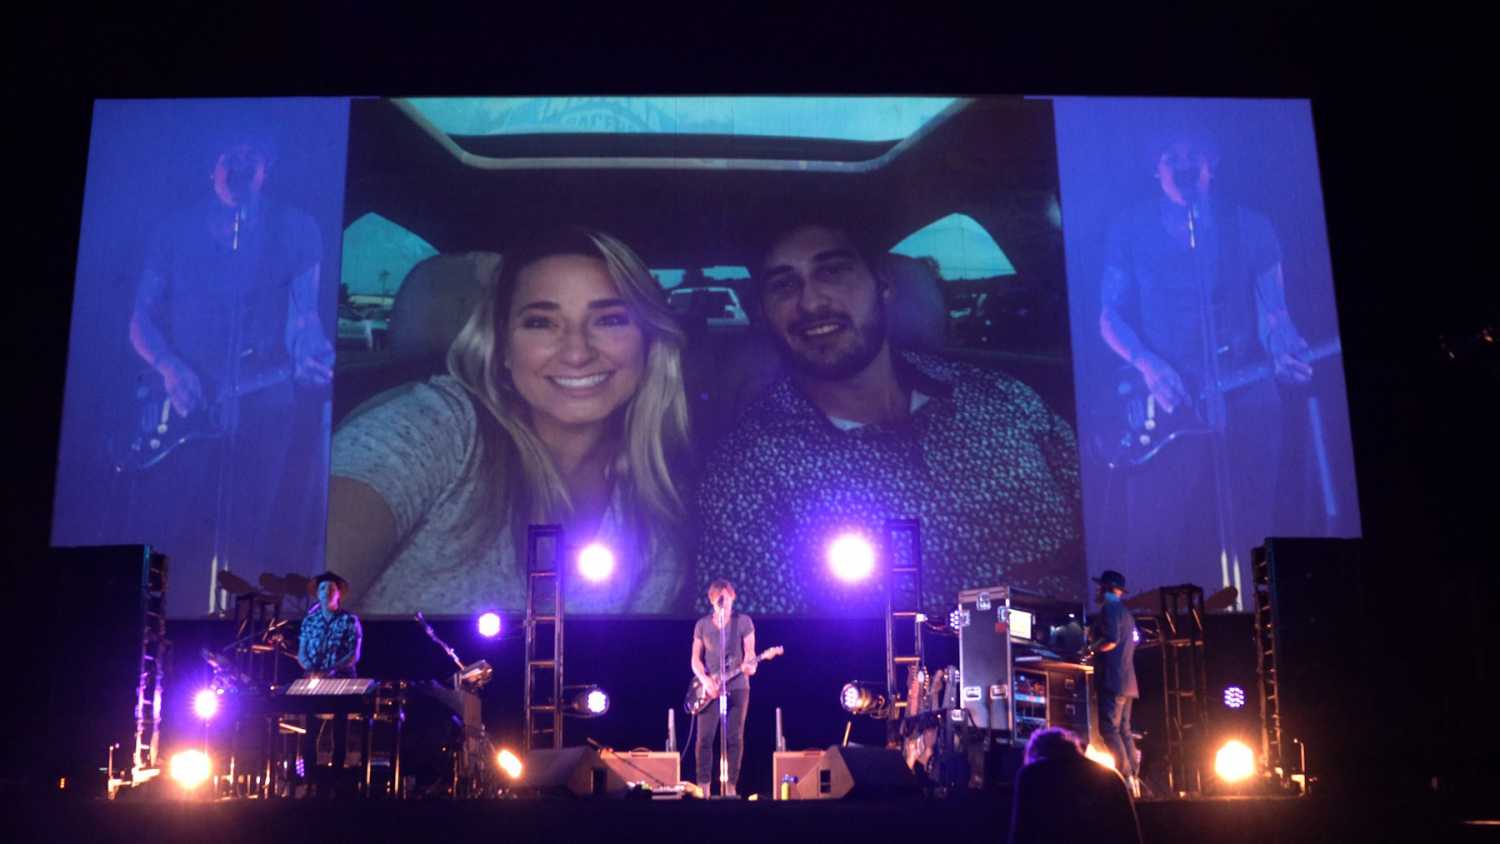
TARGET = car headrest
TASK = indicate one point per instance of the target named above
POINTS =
(436, 299)
(917, 316)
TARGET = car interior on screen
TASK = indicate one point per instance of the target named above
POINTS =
(961, 196)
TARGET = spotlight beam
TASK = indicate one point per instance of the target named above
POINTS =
(489, 625)
(596, 562)
(851, 557)
(206, 704)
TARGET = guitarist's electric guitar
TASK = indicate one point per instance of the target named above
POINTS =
(1136, 428)
(697, 700)
(156, 430)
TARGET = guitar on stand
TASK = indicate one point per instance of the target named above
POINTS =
(698, 699)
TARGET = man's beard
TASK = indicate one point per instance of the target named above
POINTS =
(868, 339)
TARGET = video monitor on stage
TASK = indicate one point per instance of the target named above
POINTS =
(750, 339)
(1020, 624)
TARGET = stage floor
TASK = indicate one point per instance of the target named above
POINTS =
(973, 819)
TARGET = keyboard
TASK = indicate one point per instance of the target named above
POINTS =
(332, 686)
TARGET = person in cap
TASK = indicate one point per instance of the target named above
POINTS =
(331, 636)
(1113, 640)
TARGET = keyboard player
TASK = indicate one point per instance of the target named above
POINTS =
(329, 647)
(331, 635)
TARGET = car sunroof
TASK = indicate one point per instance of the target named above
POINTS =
(828, 118)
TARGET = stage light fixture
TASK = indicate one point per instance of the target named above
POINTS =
(489, 625)
(596, 562)
(1234, 762)
(596, 702)
(206, 704)
(190, 768)
(510, 763)
(1234, 697)
(1103, 757)
(589, 702)
(861, 699)
(851, 557)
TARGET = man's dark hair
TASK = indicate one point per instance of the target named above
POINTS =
(720, 585)
(262, 139)
(1165, 137)
(768, 237)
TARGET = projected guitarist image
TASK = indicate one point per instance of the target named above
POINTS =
(226, 315)
(1194, 302)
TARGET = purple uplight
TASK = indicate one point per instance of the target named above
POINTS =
(489, 625)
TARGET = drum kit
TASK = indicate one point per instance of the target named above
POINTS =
(264, 613)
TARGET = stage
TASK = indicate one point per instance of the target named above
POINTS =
(604, 820)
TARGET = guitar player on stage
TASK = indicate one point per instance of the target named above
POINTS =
(1193, 287)
(228, 302)
(738, 634)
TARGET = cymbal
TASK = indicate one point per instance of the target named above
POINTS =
(231, 582)
(1150, 601)
(272, 584)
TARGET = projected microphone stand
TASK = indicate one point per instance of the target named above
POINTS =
(1216, 412)
(230, 417)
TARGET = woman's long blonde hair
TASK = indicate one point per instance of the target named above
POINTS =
(652, 427)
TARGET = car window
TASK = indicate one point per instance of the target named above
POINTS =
(377, 256)
(962, 248)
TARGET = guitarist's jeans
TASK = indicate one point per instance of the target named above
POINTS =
(708, 736)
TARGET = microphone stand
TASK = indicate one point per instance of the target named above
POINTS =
(723, 614)
(444, 645)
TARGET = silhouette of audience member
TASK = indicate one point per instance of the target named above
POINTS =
(1063, 796)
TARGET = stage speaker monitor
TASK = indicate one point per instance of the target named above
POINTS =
(859, 773)
(571, 770)
(654, 768)
(799, 765)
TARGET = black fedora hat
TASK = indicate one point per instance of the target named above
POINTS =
(327, 577)
(1111, 579)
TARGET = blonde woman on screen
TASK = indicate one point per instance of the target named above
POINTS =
(563, 404)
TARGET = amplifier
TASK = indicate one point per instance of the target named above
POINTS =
(797, 764)
(656, 769)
